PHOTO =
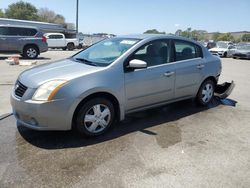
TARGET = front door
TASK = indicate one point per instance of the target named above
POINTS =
(154, 84)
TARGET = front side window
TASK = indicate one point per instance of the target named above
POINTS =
(154, 53)
(186, 50)
(105, 52)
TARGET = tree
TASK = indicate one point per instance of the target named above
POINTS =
(246, 37)
(154, 31)
(226, 37)
(46, 15)
(1, 14)
(215, 36)
(21, 10)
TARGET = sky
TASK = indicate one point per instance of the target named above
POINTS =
(137, 16)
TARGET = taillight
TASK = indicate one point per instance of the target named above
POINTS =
(44, 39)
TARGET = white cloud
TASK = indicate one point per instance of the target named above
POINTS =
(176, 25)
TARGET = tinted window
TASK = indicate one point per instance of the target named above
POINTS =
(186, 50)
(154, 53)
(3, 30)
(55, 36)
(16, 31)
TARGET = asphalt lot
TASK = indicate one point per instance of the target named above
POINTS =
(179, 145)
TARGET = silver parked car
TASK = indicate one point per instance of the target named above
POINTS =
(112, 78)
(28, 41)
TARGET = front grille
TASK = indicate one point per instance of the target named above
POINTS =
(20, 89)
(213, 52)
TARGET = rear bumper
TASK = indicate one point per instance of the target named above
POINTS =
(43, 47)
(224, 90)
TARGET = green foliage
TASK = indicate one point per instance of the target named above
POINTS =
(1, 14)
(194, 34)
(22, 10)
(246, 37)
(223, 37)
(153, 31)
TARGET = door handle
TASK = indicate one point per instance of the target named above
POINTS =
(168, 74)
(200, 66)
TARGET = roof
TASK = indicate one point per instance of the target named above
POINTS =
(28, 21)
(155, 37)
(19, 26)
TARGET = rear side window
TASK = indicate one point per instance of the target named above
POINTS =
(186, 50)
(16, 31)
(55, 36)
(3, 31)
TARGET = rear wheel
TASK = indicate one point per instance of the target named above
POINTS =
(206, 92)
(70, 46)
(30, 52)
(95, 117)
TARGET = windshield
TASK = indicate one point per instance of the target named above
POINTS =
(244, 47)
(221, 45)
(105, 52)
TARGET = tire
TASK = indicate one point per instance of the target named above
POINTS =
(64, 48)
(225, 54)
(95, 117)
(70, 46)
(30, 52)
(79, 46)
(206, 92)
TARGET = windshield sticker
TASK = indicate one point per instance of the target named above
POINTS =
(130, 42)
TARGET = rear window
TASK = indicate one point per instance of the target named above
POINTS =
(16, 31)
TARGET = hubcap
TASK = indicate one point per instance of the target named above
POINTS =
(31, 52)
(97, 118)
(207, 93)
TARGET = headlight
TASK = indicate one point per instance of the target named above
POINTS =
(47, 91)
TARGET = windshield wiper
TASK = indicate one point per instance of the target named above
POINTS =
(85, 61)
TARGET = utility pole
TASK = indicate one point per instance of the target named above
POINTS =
(77, 5)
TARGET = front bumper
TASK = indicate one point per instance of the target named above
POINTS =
(41, 115)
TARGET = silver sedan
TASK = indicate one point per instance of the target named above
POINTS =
(112, 78)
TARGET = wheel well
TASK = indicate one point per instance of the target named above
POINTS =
(34, 45)
(211, 78)
(105, 95)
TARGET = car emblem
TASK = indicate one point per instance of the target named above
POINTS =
(17, 86)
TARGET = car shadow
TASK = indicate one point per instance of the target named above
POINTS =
(134, 122)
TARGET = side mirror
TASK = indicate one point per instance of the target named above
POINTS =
(137, 64)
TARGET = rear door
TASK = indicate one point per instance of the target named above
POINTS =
(55, 40)
(189, 68)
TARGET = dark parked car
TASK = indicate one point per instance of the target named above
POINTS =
(28, 41)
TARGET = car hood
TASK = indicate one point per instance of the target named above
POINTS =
(218, 49)
(62, 70)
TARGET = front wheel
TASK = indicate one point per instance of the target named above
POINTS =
(206, 92)
(95, 117)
